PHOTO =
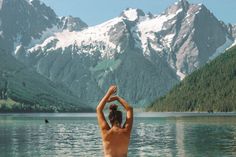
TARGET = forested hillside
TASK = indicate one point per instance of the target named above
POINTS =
(212, 87)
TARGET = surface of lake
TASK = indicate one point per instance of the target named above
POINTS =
(153, 134)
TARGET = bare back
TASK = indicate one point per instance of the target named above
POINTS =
(116, 142)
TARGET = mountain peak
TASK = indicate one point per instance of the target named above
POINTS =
(72, 23)
(179, 6)
(184, 4)
(132, 14)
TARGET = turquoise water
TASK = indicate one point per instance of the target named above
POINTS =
(153, 134)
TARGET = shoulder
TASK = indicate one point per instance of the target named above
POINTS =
(123, 131)
(126, 130)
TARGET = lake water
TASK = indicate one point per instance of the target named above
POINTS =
(153, 134)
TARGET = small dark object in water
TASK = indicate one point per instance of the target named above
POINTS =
(210, 111)
(46, 121)
(23, 83)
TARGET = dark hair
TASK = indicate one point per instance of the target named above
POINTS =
(115, 116)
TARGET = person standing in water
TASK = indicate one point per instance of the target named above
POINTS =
(117, 137)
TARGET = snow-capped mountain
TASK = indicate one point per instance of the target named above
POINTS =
(27, 22)
(22, 21)
(144, 54)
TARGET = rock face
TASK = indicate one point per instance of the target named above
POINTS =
(72, 23)
(27, 22)
(144, 54)
(232, 30)
(22, 21)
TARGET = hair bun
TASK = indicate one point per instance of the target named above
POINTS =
(113, 107)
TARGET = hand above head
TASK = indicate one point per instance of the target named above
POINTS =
(112, 90)
(113, 98)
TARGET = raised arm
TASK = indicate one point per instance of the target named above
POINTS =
(129, 109)
(101, 118)
(129, 115)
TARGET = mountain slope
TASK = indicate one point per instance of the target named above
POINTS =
(212, 87)
(33, 92)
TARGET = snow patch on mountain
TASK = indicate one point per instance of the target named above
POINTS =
(17, 49)
(95, 37)
(131, 14)
(30, 1)
(180, 74)
(43, 46)
(178, 11)
(232, 45)
(149, 27)
(44, 35)
(222, 48)
(17, 42)
(36, 43)
(168, 39)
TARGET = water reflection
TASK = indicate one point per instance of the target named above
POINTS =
(180, 138)
(80, 136)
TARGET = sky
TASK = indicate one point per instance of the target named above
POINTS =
(95, 12)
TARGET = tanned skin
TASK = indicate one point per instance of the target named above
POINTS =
(116, 138)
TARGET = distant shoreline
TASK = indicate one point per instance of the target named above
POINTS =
(137, 114)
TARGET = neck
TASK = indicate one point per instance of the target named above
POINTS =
(117, 125)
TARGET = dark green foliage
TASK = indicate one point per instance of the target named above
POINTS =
(212, 87)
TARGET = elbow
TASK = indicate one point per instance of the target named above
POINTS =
(130, 108)
(98, 109)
